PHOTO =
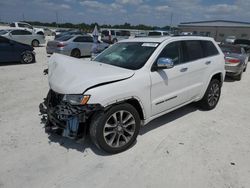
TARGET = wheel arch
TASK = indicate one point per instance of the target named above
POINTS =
(134, 101)
(218, 76)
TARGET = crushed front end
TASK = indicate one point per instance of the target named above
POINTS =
(64, 118)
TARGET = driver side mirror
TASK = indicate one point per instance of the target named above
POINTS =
(164, 63)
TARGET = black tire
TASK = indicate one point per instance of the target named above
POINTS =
(27, 57)
(75, 53)
(115, 41)
(238, 77)
(245, 69)
(116, 133)
(211, 97)
(35, 43)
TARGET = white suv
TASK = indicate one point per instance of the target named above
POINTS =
(28, 27)
(130, 84)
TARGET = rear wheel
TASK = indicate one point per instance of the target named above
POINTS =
(212, 95)
(116, 130)
(75, 53)
(35, 43)
(27, 57)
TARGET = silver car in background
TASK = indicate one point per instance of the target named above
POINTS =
(74, 45)
(23, 36)
(236, 60)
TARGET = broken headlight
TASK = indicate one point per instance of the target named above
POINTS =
(76, 99)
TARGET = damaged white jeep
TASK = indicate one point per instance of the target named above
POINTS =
(128, 85)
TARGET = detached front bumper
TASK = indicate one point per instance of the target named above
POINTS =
(69, 119)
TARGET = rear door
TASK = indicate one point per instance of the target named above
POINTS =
(169, 86)
(201, 56)
(84, 43)
(22, 36)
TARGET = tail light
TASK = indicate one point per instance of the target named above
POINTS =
(232, 60)
(60, 45)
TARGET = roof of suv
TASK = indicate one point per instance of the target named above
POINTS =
(161, 39)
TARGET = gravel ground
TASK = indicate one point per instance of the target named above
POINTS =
(186, 148)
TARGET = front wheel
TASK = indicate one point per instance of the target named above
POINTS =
(116, 130)
(212, 95)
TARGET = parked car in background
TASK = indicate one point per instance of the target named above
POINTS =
(70, 32)
(229, 39)
(49, 32)
(58, 31)
(28, 27)
(236, 60)
(112, 36)
(12, 51)
(158, 33)
(245, 44)
(130, 84)
(25, 37)
(74, 45)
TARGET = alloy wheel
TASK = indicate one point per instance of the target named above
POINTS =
(119, 129)
(214, 94)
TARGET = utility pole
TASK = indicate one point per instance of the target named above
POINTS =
(171, 21)
(23, 17)
(56, 19)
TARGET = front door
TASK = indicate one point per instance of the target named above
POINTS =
(6, 50)
(169, 86)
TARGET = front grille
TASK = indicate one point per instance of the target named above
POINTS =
(55, 98)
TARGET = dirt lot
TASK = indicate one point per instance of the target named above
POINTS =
(187, 148)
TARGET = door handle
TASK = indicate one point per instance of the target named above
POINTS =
(183, 69)
(208, 62)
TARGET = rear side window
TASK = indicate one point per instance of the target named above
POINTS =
(12, 25)
(83, 39)
(193, 50)
(209, 49)
(20, 32)
(173, 51)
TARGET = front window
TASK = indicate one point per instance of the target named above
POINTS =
(129, 55)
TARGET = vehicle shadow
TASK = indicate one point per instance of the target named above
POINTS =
(79, 145)
(13, 63)
(229, 79)
(169, 117)
(86, 143)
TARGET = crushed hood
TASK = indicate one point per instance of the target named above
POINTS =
(68, 75)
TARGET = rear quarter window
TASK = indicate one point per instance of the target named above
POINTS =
(209, 48)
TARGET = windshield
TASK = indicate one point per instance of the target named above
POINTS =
(129, 55)
(3, 32)
(230, 49)
(64, 38)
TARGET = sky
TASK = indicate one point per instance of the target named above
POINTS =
(148, 12)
